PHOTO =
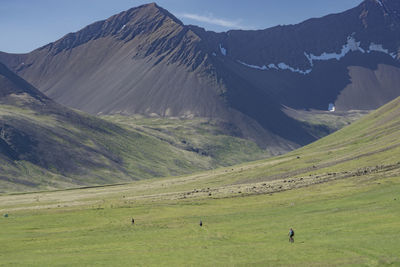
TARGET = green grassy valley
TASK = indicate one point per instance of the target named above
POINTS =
(351, 222)
(340, 194)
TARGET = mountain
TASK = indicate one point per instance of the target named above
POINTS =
(44, 145)
(145, 61)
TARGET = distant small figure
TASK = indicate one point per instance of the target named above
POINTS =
(133, 221)
(6, 215)
(291, 235)
(201, 223)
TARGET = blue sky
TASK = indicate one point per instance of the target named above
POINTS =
(28, 24)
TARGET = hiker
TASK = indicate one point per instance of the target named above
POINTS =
(201, 223)
(291, 235)
(133, 221)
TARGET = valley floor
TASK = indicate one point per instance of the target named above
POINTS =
(352, 222)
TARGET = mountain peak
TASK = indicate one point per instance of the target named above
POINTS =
(151, 5)
(125, 26)
(150, 10)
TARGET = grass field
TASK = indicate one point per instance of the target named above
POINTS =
(344, 222)
(341, 195)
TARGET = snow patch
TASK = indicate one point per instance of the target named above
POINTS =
(214, 54)
(272, 66)
(254, 66)
(379, 2)
(351, 46)
(280, 66)
(377, 48)
(223, 50)
(284, 66)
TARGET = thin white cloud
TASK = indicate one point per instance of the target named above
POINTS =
(210, 19)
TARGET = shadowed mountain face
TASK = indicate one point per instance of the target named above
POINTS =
(146, 61)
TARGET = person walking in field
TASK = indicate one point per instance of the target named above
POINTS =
(291, 235)
(133, 221)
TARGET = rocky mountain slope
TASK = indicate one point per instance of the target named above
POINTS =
(146, 61)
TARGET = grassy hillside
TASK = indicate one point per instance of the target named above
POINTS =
(205, 137)
(340, 194)
(214, 138)
(321, 123)
(60, 148)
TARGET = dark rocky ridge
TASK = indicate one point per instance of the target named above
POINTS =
(146, 61)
